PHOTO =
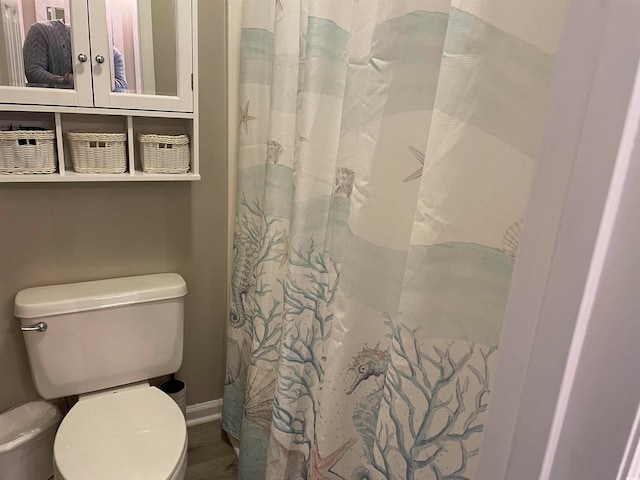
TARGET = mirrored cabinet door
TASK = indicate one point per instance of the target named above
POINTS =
(44, 52)
(142, 54)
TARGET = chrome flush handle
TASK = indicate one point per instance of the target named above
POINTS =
(38, 327)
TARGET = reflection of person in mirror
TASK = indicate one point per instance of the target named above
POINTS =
(48, 57)
(118, 68)
(47, 54)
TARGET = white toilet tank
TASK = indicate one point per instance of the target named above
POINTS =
(104, 333)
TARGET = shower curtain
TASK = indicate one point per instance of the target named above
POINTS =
(386, 149)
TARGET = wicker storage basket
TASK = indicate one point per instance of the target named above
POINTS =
(164, 153)
(93, 152)
(27, 151)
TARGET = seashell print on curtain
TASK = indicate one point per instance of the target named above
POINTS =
(386, 148)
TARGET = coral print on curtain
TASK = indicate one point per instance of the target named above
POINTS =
(386, 148)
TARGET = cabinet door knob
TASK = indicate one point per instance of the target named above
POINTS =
(82, 57)
(99, 59)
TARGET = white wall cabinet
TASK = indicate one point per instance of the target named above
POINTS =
(131, 68)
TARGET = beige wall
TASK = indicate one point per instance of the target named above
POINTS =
(59, 233)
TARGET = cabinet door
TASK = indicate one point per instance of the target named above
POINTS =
(142, 54)
(44, 52)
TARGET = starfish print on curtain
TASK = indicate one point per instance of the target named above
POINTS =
(420, 157)
(245, 117)
(321, 466)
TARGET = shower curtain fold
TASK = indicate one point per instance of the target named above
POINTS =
(386, 148)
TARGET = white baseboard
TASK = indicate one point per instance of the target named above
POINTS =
(204, 412)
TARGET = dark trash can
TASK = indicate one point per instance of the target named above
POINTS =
(177, 390)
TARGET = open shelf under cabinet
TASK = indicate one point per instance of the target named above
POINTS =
(63, 122)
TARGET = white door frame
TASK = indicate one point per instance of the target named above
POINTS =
(562, 384)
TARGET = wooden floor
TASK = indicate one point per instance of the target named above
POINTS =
(210, 457)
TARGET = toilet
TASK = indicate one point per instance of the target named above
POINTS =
(103, 340)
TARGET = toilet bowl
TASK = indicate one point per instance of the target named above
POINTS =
(136, 432)
(103, 340)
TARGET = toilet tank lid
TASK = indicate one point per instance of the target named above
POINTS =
(95, 295)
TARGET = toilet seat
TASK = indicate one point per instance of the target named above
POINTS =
(137, 433)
